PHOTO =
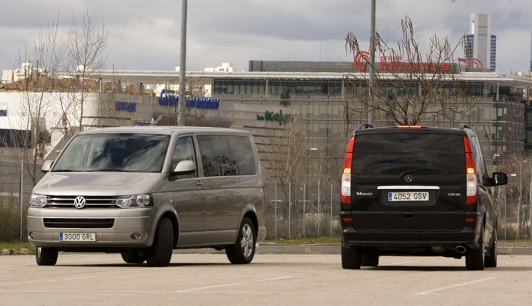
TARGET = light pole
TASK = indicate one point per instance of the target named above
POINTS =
(518, 233)
(371, 117)
(182, 65)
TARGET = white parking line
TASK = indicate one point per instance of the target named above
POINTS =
(457, 285)
(234, 284)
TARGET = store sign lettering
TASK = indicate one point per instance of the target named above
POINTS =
(399, 66)
(278, 117)
(396, 63)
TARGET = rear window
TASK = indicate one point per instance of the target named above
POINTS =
(409, 152)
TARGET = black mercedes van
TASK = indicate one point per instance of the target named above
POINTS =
(419, 191)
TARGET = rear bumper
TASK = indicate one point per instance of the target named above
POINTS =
(398, 239)
(467, 237)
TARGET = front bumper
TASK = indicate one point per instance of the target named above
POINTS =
(119, 235)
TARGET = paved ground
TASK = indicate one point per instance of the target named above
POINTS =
(504, 248)
(271, 279)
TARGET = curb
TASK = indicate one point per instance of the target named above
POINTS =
(503, 248)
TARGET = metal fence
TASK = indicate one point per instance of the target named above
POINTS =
(301, 210)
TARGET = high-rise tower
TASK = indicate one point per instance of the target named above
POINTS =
(481, 47)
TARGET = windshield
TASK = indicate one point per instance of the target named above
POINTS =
(114, 152)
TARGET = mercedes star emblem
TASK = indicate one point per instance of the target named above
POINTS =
(408, 178)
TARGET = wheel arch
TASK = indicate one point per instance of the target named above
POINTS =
(253, 217)
(251, 212)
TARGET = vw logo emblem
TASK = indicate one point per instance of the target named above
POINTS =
(80, 202)
(408, 178)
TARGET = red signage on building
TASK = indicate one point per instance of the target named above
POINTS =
(405, 66)
(396, 63)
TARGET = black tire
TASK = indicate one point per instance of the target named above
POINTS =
(370, 260)
(243, 250)
(475, 258)
(133, 256)
(351, 257)
(160, 254)
(491, 256)
(46, 256)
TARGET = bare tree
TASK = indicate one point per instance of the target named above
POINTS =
(40, 118)
(409, 87)
(287, 151)
(86, 53)
(28, 136)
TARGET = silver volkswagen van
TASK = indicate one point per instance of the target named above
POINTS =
(144, 191)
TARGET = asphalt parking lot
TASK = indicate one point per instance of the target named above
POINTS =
(271, 279)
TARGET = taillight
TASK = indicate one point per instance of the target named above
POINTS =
(471, 177)
(346, 174)
(409, 126)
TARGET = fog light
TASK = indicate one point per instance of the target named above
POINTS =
(30, 234)
(135, 236)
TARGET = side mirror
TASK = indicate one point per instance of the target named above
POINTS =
(185, 167)
(47, 165)
(499, 178)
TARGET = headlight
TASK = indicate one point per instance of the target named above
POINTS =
(136, 200)
(37, 200)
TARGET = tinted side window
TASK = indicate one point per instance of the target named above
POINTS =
(226, 155)
(243, 155)
(396, 153)
(479, 160)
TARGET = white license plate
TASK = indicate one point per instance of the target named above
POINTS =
(408, 196)
(77, 237)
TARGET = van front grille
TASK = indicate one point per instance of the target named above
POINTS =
(78, 223)
(91, 201)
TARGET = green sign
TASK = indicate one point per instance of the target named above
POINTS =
(279, 117)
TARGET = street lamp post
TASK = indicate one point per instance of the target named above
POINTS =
(182, 65)
(518, 233)
(371, 115)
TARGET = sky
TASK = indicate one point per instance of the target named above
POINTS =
(145, 35)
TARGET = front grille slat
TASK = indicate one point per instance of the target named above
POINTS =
(78, 223)
(91, 201)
